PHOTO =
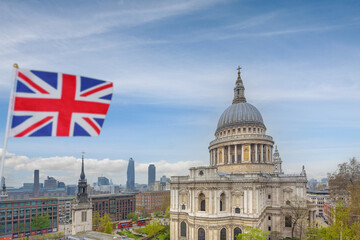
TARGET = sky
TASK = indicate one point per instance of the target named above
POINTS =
(173, 65)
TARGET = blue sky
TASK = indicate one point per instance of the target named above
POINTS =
(173, 64)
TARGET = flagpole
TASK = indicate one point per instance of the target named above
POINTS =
(9, 117)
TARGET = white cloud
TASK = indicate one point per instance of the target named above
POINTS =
(67, 168)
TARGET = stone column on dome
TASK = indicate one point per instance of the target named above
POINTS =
(229, 155)
(266, 154)
(235, 154)
(242, 153)
(256, 155)
(262, 152)
(250, 153)
(216, 156)
(223, 156)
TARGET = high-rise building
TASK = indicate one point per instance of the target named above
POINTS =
(164, 179)
(151, 174)
(50, 182)
(36, 188)
(103, 181)
(130, 183)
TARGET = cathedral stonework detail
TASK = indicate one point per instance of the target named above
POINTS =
(243, 186)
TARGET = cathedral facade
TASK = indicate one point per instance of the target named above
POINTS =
(243, 186)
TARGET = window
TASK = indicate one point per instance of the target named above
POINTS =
(222, 202)
(202, 201)
(234, 130)
(269, 217)
(223, 234)
(183, 207)
(83, 216)
(228, 131)
(288, 222)
(244, 129)
(269, 196)
(269, 228)
(237, 231)
(239, 129)
(237, 210)
(183, 229)
(201, 234)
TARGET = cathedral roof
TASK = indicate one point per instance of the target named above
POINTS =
(240, 112)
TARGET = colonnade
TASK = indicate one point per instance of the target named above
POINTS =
(241, 153)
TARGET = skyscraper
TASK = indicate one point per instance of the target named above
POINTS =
(130, 183)
(36, 183)
(151, 174)
(103, 181)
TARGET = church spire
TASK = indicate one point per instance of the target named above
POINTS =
(3, 194)
(82, 196)
(239, 89)
(82, 175)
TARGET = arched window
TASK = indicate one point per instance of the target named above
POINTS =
(237, 210)
(202, 201)
(201, 234)
(183, 229)
(237, 231)
(222, 202)
(183, 207)
(223, 234)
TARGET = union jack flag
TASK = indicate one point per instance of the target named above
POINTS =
(58, 104)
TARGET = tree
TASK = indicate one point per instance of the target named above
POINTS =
(341, 228)
(101, 222)
(108, 228)
(252, 234)
(96, 220)
(167, 214)
(133, 216)
(165, 203)
(298, 212)
(344, 185)
(153, 228)
(40, 221)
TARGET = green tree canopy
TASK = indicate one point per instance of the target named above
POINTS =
(133, 216)
(341, 227)
(252, 234)
(108, 228)
(40, 221)
(153, 228)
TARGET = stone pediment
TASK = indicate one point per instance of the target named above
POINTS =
(288, 189)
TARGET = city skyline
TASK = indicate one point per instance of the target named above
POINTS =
(173, 64)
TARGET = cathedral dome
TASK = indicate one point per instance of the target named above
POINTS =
(240, 113)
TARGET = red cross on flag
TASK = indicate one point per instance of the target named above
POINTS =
(58, 104)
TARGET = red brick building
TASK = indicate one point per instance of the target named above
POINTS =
(151, 201)
(118, 206)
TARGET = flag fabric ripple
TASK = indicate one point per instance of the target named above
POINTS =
(58, 104)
